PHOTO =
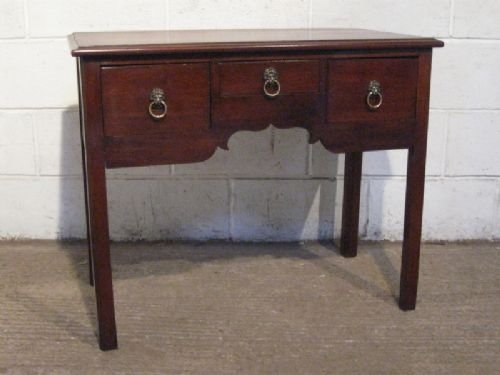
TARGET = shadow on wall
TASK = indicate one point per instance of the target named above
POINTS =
(270, 186)
(71, 196)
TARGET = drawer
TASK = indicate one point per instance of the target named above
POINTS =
(181, 102)
(287, 95)
(388, 82)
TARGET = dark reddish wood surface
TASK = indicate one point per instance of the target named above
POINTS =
(415, 182)
(147, 150)
(366, 136)
(255, 113)
(350, 205)
(125, 98)
(348, 81)
(213, 84)
(246, 78)
(239, 41)
(97, 206)
(239, 102)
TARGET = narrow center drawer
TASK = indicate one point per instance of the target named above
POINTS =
(246, 78)
(252, 95)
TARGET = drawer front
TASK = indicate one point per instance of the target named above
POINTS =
(240, 98)
(387, 83)
(181, 105)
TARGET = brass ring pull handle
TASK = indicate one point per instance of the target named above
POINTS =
(374, 97)
(158, 106)
(272, 86)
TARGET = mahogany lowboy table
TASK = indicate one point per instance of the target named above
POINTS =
(168, 97)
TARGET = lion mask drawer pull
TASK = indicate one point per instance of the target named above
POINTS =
(157, 105)
(271, 84)
(374, 97)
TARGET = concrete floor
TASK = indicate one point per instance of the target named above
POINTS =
(221, 308)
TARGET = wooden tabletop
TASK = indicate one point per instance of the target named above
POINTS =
(240, 40)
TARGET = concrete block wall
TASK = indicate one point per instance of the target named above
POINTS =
(271, 185)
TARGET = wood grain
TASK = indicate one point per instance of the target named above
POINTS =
(348, 81)
(126, 91)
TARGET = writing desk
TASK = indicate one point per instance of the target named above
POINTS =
(169, 97)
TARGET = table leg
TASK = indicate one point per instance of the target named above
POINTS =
(99, 245)
(96, 200)
(414, 201)
(350, 207)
